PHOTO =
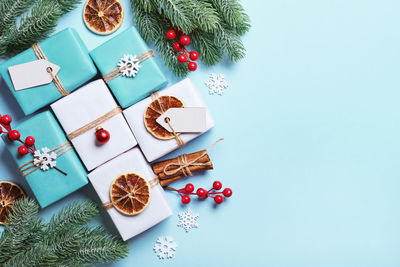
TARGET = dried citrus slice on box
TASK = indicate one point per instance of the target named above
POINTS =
(130, 193)
(103, 16)
(9, 192)
(154, 110)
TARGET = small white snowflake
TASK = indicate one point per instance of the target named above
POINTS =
(216, 84)
(165, 247)
(188, 220)
(130, 64)
(44, 159)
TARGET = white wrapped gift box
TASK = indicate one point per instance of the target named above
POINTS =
(159, 207)
(85, 105)
(152, 147)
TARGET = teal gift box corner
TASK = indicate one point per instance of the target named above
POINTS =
(128, 90)
(65, 49)
(51, 185)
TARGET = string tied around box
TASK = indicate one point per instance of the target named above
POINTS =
(128, 66)
(155, 97)
(93, 124)
(40, 55)
(45, 159)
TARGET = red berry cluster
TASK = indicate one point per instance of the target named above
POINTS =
(202, 193)
(179, 46)
(14, 135)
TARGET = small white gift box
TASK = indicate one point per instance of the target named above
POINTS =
(81, 112)
(152, 147)
(131, 162)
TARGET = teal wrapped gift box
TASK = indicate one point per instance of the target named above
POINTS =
(65, 49)
(128, 90)
(48, 185)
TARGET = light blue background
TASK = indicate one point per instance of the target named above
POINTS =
(312, 149)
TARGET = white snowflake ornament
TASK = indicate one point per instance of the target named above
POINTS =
(188, 220)
(165, 247)
(216, 84)
(45, 159)
(129, 65)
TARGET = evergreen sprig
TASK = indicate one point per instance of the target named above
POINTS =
(66, 240)
(24, 22)
(214, 26)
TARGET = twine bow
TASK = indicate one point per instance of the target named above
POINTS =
(183, 165)
(31, 167)
(40, 55)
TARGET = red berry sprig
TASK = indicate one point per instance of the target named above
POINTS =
(202, 193)
(14, 135)
(186, 56)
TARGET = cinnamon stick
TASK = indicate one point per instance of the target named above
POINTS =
(171, 170)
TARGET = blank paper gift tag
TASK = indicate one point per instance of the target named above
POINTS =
(184, 120)
(31, 74)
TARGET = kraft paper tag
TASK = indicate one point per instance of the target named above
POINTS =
(184, 120)
(32, 74)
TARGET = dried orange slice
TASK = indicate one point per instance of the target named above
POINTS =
(103, 16)
(154, 110)
(130, 193)
(9, 192)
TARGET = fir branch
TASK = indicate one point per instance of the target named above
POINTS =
(230, 10)
(147, 5)
(23, 230)
(244, 26)
(99, 248)
(71, 216)
(208, 50)
(35, 25)
(39, 255)
(178, 12)
(230, 42)
(147, 23)
(68, 5)
(10, 10)
(70, 243)
(203, 14)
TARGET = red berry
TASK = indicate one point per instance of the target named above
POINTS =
(22, 150)
(14, 135)
(102, 136)
(30, 141)
(192, 66)
(177, 46)
(182, 58)
(185, 40)
(171, 34)
(217, 185)
(185, 199)
(227, 192)
(189, 188)
(201, 193)
(6, 119)
(194, 55)
(218, 199)
(1, 130)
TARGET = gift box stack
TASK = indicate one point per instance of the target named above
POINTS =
(107, 130)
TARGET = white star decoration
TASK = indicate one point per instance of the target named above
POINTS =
(130, 65)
